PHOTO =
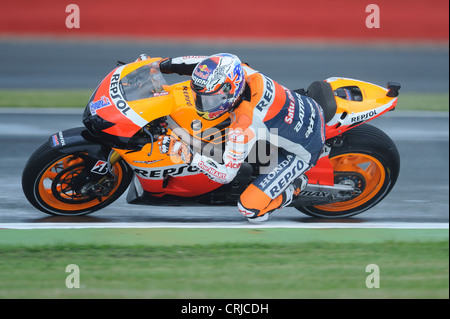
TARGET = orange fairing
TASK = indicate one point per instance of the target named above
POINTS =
(158, 173)
(371, 101)
(127, 91)
(184, 186)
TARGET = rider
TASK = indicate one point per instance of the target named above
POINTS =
(260, 109)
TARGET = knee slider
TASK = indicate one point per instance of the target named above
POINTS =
(247, 212)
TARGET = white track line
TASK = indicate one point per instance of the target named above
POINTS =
(224, 225)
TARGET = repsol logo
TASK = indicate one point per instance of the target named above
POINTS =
(274, 173)
(61, 138)
(364, 116)
(267, 97)
(161, 173)
(187, 97)
(285, 179)
(116, 96)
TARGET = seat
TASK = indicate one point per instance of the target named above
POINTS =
(322, 93)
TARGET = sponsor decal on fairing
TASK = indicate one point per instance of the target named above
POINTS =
(55, 140)
(58, 139)
(363, 116)
(97, 105)
(119, 101)
(160, 173)
(187, 97)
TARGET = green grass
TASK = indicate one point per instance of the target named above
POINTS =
(79, 97)
(224, 263)
(45, 98)
(423, 102)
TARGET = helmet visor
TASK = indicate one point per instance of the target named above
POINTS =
(211, 107)
(210, 103)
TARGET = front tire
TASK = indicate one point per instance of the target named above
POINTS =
(368, 160)
(50, 177)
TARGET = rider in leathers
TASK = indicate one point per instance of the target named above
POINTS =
(260, 109)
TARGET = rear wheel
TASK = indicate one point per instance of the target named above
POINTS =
(368, 160)
(63, 184)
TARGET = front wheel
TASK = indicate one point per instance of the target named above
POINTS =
(63, 184)
(368, 160)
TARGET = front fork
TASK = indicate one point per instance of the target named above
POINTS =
(101, 187)
(114, 157)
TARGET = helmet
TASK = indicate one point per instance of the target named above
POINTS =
(218, 82)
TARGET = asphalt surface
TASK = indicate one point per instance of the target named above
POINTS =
(420, 195)
(50, 64)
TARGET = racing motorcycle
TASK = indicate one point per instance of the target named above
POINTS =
(84, 169)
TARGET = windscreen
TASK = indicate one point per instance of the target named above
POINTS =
(144, 82)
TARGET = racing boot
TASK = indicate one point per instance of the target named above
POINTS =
(253, 198)
(255, 205)
(294, 190)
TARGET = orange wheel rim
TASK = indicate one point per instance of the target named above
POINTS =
(365, 166)
(46, 180)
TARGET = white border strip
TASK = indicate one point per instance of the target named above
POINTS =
(224, 225)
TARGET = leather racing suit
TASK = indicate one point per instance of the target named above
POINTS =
(293, 123)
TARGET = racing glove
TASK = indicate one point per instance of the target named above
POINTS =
(165, 66)
(178, 150)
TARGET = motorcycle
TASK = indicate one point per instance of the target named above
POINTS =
(84, 169)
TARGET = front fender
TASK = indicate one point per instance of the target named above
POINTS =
(78, 139)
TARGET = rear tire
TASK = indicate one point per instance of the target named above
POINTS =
(49, 174)
(369, 159)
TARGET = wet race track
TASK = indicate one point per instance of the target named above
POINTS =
(420, 195)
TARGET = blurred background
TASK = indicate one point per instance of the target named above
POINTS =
(53, 53)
